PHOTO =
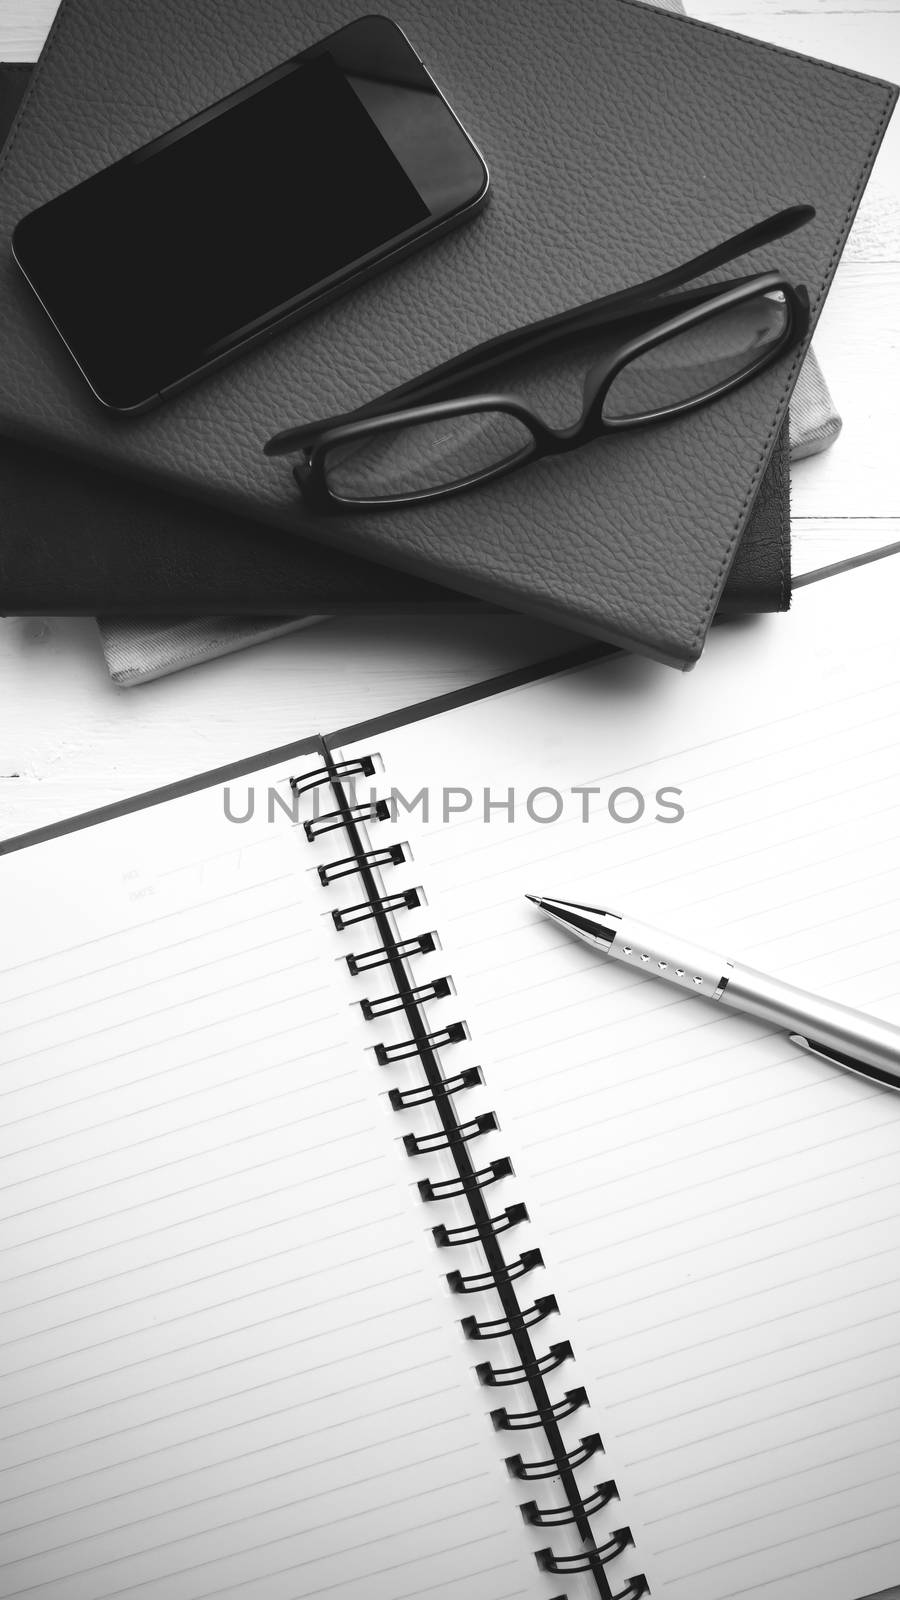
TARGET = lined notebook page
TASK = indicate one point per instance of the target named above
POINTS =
(228, 1366)
(719, 1212)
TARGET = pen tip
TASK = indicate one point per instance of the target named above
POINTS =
(535, 899)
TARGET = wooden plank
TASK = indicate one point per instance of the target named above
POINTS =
(821, 542)
(864, 36)
(858, 343)
(23, 28)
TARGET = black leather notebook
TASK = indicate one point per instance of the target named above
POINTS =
(76, 539)
(620, 140)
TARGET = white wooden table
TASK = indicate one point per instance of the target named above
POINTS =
(69, 740)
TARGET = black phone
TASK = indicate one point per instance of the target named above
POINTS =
(202, 243)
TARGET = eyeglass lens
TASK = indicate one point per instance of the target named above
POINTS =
(416, 458)
(697, 361)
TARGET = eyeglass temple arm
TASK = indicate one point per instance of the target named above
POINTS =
(521, 341)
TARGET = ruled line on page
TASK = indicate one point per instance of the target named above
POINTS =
(459, 919)
(805, 1343)
(753, 1294)
(180, 1036)
(811, 1371)
(294, 1343)
(215, 1433)
(377, 1506)
(297, 1089)
(171, 1100)
(177, 1005)
(689, 1094)
(748, 1455)
(223, 1272)
(297, 965)
(816, 1076)
(864, 1164)
(375, 1572)
(193, 1188)
(432, 1588)
(510, 837)
(715, 1179)
(234, 1522)
(223, 1494)
(609, 1085)
(269, 1543)
(769, 1480)
(289, 906)
(781, 1544)
(176, 1285)
(115, 934)
(143, 1584)
(190, 1505)
(228, 1144)
(122, 1084)
(549, 858)
(443, 832)
(189, 1411)
(298, 1566)
(723, 743)
(792, 1503)
(729, 1432)
(197, 1249)
(739, 1139)
(745, 1233)
(817, 1566)
(201, 1216)
(294, 1092)
(804, 1310)
(623, 844)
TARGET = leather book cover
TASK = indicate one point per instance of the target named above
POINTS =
(79, 540)
(621, 140)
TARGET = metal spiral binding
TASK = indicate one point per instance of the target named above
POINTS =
(517, 1321)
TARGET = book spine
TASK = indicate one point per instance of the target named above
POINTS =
(470, 1186)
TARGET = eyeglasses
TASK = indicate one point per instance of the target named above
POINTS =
(442, 433)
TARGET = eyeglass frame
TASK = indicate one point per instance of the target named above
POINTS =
(651, 299)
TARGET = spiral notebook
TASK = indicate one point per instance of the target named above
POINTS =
(364, 1239)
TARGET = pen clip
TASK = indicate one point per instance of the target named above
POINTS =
(877, 1074)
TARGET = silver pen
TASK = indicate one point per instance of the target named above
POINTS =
(845, 1037)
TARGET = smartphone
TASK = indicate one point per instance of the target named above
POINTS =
(170, 262)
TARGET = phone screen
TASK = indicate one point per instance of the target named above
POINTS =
(152, 268)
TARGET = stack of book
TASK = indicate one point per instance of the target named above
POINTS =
(621, 141)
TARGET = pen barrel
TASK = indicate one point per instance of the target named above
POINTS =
(838, 1028)
(697, 969)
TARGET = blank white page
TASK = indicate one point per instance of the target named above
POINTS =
(719, 1212)
(229, 1364)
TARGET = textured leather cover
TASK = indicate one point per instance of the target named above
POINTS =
(621, 140)
(76, 539)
